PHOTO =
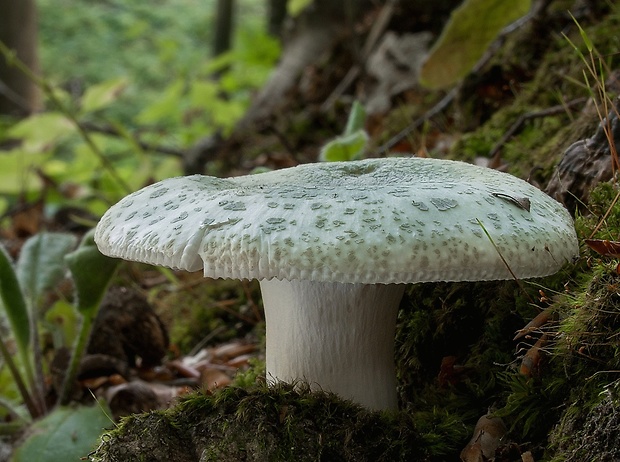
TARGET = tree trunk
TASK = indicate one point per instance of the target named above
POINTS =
(223, 26)
(276, 13)
(18, 31)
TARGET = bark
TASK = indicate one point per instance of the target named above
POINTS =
(313, 34)
(18, 31)
(585, 164)
(223, 26)
(276, 13)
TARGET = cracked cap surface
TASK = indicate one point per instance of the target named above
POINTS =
(394, 220)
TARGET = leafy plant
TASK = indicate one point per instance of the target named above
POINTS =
(59, 147)
(42, 264)
(352, 143)
(65, 434)
(89, 140)
(196, 105)
(295, 7)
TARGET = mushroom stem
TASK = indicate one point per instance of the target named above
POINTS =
(337, 337)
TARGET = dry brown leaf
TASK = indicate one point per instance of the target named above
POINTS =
(183, 370)
(530, 364)
(527, 457)
(232, 350)
(239, 361)
(450, 373)
(214, 378)
(488, 434)
(604, 247)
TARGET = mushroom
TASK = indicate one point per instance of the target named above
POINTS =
(333, 245)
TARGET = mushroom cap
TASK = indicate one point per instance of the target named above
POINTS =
(393, 220)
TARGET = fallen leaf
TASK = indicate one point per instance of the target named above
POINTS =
(530, 364)
(232, 350)
(240, 361)
(527, 457)
(471, 29)
(213, 378)
(488, 434)
(604, 247)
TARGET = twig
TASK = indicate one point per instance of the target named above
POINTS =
(206, 339)
(375, 33)
(436, 109)
(518, 124)
(109, 130)
(602, 220)
(514, 276)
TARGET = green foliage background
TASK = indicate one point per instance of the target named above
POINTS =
(141, 69)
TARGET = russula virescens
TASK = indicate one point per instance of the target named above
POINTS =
(333, 245)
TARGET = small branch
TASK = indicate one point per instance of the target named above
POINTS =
(375, 34)
(436, 109)
(109, 130)
(518, 124)
(514, 276)
(32, 407)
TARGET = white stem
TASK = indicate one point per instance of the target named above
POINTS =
(337, 337)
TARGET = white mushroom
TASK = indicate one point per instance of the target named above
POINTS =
(333, 245)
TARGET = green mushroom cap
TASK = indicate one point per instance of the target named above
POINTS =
(392, 220)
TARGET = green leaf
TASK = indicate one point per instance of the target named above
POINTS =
(203, 93)
(356, 120)
(101, 95)
(18, 172)
(92, 272)
(294, 7)
(14, 304)
(470, 30)
(346, 147)
(63, 435)
(584, 35)
(63, 321)
(41, 263)
(40, 132)
(166, 108)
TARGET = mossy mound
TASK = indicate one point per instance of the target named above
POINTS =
(590, 434)
(274, 423)
(541, 70)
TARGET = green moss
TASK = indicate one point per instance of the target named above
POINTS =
(462, 320)
(603, 219)
(215, 308)
(552, 406)
(586, 354)
(588, 431)
(557, 77)
(474, 323)
(276, 423)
